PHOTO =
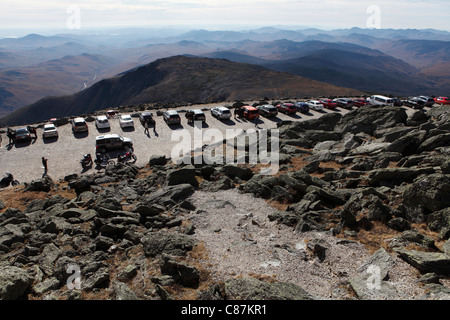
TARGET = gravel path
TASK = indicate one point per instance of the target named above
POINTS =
(243, 242)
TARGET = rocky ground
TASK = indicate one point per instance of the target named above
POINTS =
(358, 210)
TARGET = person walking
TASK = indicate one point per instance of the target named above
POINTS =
(44, 163)
(146, 128)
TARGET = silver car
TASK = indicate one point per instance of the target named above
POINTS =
(50, 131)
(221, 113)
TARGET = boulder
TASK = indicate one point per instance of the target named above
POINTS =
(14, 283)
(254, 289)
(182, 176)
(157, 160)
(172, 243)
(123, 292)
(436, 262)
(182, 273)
(396, 176)
(429, 193)
(233, 171)
(371, 118)
(371, 281)
(439, 221)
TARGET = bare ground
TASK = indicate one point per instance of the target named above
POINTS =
(240, 241)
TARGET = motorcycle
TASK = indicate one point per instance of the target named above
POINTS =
(103, 160)
(126, 157)
(86, 161)
(8, 180)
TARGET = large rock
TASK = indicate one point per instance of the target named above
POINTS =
(232, 171)
(14, 283)
(182, 273)
(371, 118)
(171, 243)
(170, 194)
(182, 176)
(371, 281)
(254, 289)
(436, 262)
(430, 193)
(396, 176)
(439, 221)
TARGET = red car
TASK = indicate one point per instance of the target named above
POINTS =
(442, 100)
(287, 108)
(328, 103)
(359, 102)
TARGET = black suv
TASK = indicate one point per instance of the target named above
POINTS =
(268, 110)
(146, 117)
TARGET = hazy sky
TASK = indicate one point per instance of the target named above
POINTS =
(228, 14)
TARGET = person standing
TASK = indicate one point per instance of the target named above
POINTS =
(44, 163)
(146, 128)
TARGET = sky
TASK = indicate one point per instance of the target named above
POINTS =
(34, 15)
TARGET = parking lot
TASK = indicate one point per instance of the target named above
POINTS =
(64, 153)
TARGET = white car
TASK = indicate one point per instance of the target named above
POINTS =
(221, 113)
(315, 105)
(126, 121)
(102, 122)
(50, 131)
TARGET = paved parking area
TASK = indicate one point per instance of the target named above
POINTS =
(64, 154)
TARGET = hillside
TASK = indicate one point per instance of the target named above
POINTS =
(70, 74)
(360, 71)
(177, 79)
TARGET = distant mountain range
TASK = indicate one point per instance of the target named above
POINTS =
(178, 79)
(386, 61)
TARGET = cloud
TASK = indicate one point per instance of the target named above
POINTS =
(317, 13)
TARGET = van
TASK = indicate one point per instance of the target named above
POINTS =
(381, 100)
(249, 112)
(111, 141)
(171, 117)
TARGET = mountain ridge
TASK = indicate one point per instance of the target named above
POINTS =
(177, 79)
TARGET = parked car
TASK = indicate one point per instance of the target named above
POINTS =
(344, 103)
(102, 122)
(125, 121)
(111, 113)
(112, 141)
(360, 102)
(171, 117)
(429, 102)
(328, 103)
(146, 117)
(315, 105)
(287, 108)
(79, 125)
(249, 112)
(50, 131)
(397, 102)
(22, 134)
(195, 115)
(221, 113)
(414, 103)
(381, 100)
(302, 107)
(442, 100)
(267, 110)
